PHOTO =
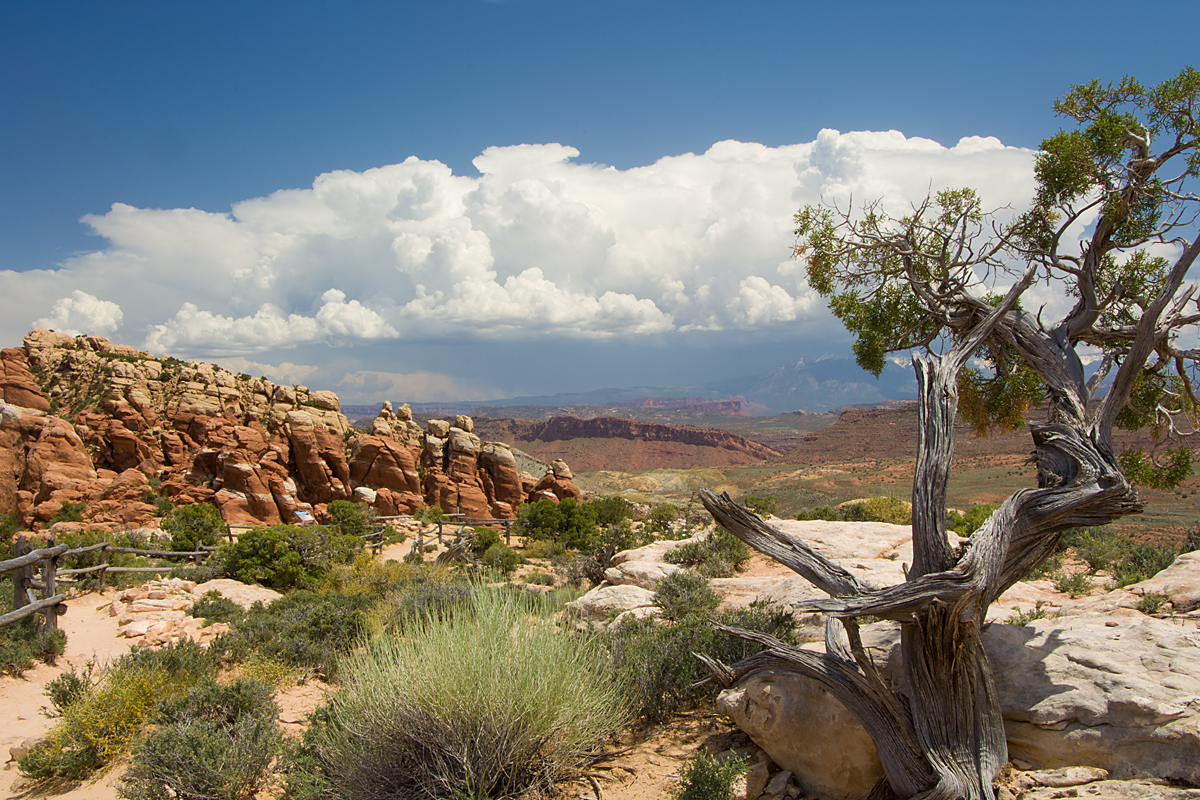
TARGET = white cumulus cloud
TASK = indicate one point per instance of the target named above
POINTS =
(537, 244)
(82, 313)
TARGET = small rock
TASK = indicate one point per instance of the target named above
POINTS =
(756, 779)
(778, 785)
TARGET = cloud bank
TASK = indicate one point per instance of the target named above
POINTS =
(537, 245)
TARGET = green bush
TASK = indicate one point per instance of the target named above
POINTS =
(655, 662)
(611, 510)
(685, 594)
(69, 687)
(213, 742)
(286, 556)
(300, 629)
(214, 607)
(828, 513)
(1076, 584)
(880, 509)
(567, 523)
(715, 556)
(763, 506)
(486, 705)
(26, 641)
(662, 519)
(1142, 562)
(99, 724)
(966, 523)
(484, 539)
(425, 603)
(1098, 547)
(502, 558)
(350, 519)
(192, 526)
(69, 512)
(706, 778)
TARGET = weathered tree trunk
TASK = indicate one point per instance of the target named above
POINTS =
(946, 739)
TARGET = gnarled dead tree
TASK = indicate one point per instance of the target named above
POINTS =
(945, 282)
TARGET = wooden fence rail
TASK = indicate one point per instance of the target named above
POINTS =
(53, 605)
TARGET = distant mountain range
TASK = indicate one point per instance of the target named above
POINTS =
(820, 384)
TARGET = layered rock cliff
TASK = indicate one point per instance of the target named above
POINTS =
(629, 445)
(112, 432)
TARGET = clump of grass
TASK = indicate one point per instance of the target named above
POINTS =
(706, 778)
(482, 705)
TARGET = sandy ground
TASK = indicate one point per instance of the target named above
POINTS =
(91, 634)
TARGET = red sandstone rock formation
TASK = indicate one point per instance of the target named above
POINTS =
(259, 452)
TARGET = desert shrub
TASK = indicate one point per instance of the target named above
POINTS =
(366, 574)
(763, 506)
(350, 519)
(214, 607)
(10, 524)
(194, 525)
(539, 578)
(715, 556)
(501, 558)
(484, 539)
(828, 513)
(685, 594)
(706, 778)
(302, 629)
(1152, 603)
(1098, 547)
(611, 510)
(69, 512)
(69, 687)
(662, 519)
(567, 523)
(965, 523)
(286, 556)
(429, 515)
(543, 548)
(1141, 562)
(99, 724)
(212, 742)
(880, 509)
(1075, 584)
(484, 705)
(424, 603)
(656, 665)
(26, 641)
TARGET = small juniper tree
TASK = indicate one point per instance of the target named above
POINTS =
(1113, 226)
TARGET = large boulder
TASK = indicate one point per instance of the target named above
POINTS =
(1119, 691)
(806, 731)
(606, 602)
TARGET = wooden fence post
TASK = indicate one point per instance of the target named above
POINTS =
(104, 564)
(49, 567)
(439, 531)
(508, 532)
(19, 579)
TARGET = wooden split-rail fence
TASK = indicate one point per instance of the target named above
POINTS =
(37, 575)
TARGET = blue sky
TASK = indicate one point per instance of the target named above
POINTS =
(527, 271)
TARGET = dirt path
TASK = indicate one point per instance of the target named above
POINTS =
(91, 634)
